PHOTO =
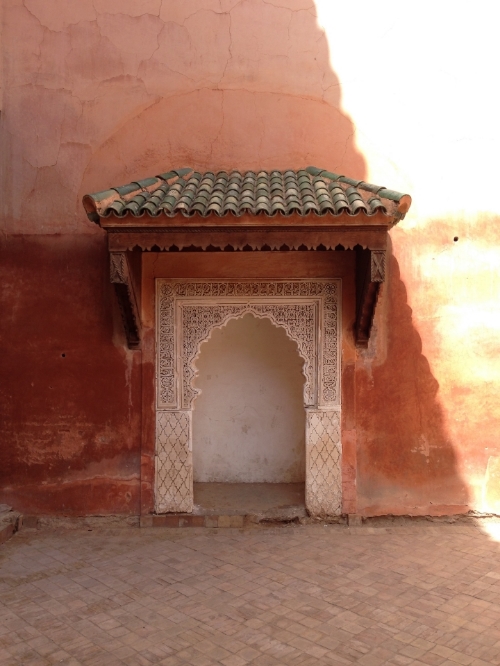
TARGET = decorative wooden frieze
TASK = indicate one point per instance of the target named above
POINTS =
(120, 276)
(247, 238)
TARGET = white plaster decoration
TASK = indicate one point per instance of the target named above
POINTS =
(323, 463)
(174, 462)
(187, 313)
(198, 321)
(166, 387)
(330, 359)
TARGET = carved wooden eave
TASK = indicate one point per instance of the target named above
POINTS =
(370, 274)
(184, 210)
(125, 276)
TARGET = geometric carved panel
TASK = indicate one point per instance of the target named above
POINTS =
(323, 463)
(174, 463)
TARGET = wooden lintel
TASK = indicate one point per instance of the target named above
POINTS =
(239, 238)
(122, 270)
(370, 274)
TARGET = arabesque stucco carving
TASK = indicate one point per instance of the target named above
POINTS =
(187, 313)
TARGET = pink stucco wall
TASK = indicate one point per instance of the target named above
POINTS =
(101, 92)
(109, 90)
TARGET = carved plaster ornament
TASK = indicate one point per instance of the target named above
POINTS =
(187, 312)
(302, 308)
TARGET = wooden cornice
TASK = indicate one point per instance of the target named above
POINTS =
(247, 238)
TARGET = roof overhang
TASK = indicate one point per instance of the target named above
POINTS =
(313, 209)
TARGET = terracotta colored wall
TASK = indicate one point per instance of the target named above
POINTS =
(100, 92)
(70, 391)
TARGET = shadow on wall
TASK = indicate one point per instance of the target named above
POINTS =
(406, 462)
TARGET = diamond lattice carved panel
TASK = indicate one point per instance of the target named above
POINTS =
(323, 463)
(174, 462)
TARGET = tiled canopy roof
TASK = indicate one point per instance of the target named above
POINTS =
(304, 192)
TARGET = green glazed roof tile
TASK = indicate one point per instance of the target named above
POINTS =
(185, 192)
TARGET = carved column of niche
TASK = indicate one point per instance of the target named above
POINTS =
(329, 366)
(323, 463)
(323, 437)
(166, 352)
(174, 462)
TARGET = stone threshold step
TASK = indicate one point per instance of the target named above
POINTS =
(280, 515)
(189, 520)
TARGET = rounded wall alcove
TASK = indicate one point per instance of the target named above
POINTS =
(249, 419)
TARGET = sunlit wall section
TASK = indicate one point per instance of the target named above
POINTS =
(417, 81)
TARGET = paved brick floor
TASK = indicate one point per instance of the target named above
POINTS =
(310, 595)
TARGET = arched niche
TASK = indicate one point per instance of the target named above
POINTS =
(249, 416)
(188, 311)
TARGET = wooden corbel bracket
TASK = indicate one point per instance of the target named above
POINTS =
(370, 273)
(121, 275)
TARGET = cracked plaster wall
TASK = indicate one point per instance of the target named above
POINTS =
(100, 92)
